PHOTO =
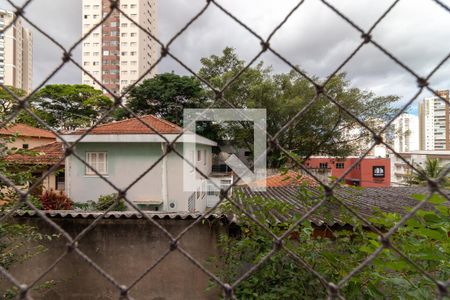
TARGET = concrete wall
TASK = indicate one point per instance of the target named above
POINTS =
(124, 248)
(127, 161)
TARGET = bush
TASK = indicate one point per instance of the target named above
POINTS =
(55, 200)
(424, 239)
(85, 206)
(105, 202)
(10, 198)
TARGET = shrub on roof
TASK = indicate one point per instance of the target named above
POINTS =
(106, 201)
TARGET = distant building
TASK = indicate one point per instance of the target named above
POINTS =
(434, 123)
(361, 139)
(23, 136)
(118, 52)
(406, 133)
(16, 53)
(370, 172)
(400, 171)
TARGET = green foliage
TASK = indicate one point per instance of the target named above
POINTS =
(8, 103)
(18, 244)
(106, 201)
(432, 170)
(320, 130)
(424, 239)
(167, 95)
(70, 106)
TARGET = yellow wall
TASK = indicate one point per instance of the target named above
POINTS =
(31, 141)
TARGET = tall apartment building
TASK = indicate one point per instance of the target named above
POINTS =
(118, 52)
(406, 133)
(434, 123)
(16, 53)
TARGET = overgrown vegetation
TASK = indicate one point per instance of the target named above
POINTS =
(106, 201)
(424, 239)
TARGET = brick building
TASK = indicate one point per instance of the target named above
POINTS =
(370, 172)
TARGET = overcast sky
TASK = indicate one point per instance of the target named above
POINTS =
(315, 38)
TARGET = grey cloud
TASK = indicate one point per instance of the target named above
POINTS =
(315, 38)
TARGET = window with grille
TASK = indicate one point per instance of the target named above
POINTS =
(97, 161)
(339, 165)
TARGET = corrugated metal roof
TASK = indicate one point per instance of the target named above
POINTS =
(364, 201)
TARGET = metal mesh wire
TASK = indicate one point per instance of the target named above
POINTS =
(333, 288)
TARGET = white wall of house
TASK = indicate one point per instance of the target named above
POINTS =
(126, 162)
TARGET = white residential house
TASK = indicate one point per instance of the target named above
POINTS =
(123, 151)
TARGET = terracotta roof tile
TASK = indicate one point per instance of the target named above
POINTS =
(134, 126)
(48, 154)
(27, 130)
(285, 179)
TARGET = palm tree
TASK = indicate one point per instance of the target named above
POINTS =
(432, 170)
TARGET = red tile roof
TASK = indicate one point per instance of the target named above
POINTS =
(48, 154)
(285, 179)
(27, 130)
(134, 126)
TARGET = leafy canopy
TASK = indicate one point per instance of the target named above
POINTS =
(321, 129)
(70, 106)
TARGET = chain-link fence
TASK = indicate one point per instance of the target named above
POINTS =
(228, 288)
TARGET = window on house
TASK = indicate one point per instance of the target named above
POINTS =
(204, 155)
(98, 161)
(323, 165)
(339, 165)
(199, 155)
(25, 146)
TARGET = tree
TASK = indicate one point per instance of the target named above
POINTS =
(166, 95)
(321, 130)
(66, 106)
(7, 101)
(432, 170)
